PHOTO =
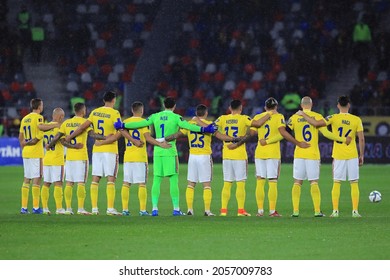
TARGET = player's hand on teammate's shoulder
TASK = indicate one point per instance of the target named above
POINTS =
(303, 145)
(299, 113)
(348, 140)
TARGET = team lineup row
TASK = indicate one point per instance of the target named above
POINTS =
(105, 125)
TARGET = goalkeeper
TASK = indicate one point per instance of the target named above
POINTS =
(166, 163)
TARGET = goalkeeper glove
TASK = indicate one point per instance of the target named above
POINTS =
(119, 125)
(211, 128)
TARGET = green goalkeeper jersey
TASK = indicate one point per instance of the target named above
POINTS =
(165, 123)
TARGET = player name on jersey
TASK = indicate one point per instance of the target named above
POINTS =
(102, 115)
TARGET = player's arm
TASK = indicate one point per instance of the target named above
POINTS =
(258, 123)
(125, 133)
(199, 121)
(95, 135)
(278, 137)
(310, 120)
(154, 142)
(140, 124)
(46, 126)
(186, 125)
(24, 143)
(69, 145)
(290, 138)
(55, 140)
(226, 138)
(251, 134)
(174, 136)
(211, 128)
(109, 139)
(334, 137)
(362, 143)
(79, 130)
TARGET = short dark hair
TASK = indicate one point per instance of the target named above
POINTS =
(343, 100)
(169, 103)
(78, 107)
(35, 103)
(271, 103)
(136, 106)
(201, 110)
(109, 96)
(235, 104)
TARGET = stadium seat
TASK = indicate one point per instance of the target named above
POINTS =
(28, 86)
(139, 18)
(72, 86)
(93, 9)
(100, 43)
(113, 77)
(119, 68)
(86, 77)
(128, 44)
(81, 9)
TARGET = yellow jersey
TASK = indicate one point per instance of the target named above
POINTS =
(134, 153)
(345, 124)
(199, 143)
(268, 130)
(67, 128)
(303, 131)
(55, 155)
(103, 119)
(29, 128)
(234, 126)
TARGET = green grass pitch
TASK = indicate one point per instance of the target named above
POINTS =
(198, 237)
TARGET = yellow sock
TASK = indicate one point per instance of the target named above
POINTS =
(45, 196)
(355, 195)
(272, 195)
(260, 193)
(316, 196)
(81, 194)
(207, 196)
(58, 196)
(25, 192)
(240, 195)
(110, 191)
(94, 194)
(225, 197)
(296, 196)
(125, 195)
(336, 195)
(36, 193)
(142, 197)
(68, 195)
(190, 197)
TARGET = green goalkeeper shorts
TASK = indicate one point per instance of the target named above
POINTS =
(166, 166)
